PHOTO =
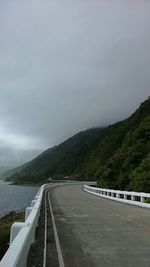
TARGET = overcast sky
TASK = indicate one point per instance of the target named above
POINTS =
(68, 65)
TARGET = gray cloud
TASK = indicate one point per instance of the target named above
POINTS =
(66, 66)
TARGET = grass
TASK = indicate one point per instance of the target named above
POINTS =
(5, 226)
(147, 200)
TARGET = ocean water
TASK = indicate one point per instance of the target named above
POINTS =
(15, 197)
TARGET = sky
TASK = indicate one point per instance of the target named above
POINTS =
(66, 66)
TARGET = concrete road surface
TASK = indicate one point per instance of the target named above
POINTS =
(95, 232)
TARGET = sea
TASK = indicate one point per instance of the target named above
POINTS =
(15, 197)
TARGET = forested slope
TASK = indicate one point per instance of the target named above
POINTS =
(117, 156)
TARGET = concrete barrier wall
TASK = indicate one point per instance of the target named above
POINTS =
(22, 235)
(134, 198)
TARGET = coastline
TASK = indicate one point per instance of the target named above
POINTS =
(21, 183)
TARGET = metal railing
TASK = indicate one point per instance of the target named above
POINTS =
(22, 235)
(134, 198)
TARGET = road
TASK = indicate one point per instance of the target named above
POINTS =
(96, 232)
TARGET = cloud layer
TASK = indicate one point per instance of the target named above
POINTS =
(66, 66)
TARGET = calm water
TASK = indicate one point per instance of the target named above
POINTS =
(14, 197)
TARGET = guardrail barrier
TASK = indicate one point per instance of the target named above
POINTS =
(134, 198)
(22, 234)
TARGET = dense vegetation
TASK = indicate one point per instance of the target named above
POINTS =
(5, 226)
(117, 156)
(58, 161)
(129, 167)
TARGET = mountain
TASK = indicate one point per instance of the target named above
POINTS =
(129, 166)
(9, 172)
(58, 161)
(4, 169)
(118, 156)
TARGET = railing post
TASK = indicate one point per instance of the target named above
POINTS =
(28, 211)
(142, 199)
(132, 198)
(15, 229)
(33, 203)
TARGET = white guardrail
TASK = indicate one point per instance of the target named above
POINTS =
(134, 198)
(22, 235)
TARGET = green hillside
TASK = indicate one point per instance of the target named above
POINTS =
(129, 167)
(58, 161)
(117, 156)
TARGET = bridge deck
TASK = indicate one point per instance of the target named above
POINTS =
(96, 232)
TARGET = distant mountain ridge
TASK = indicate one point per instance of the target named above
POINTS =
(118, 156)
(50, 162)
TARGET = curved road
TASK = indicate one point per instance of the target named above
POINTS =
(96, 232)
